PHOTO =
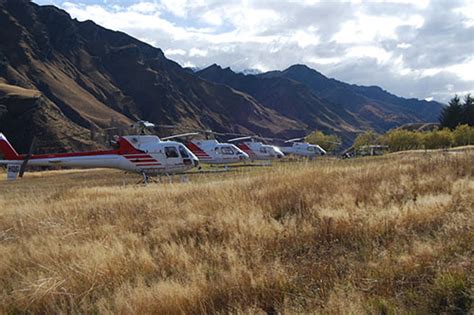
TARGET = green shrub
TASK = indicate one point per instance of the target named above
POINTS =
(367, 138)
(463, 135)
(327, 142)
(399, 140)
(438, 139)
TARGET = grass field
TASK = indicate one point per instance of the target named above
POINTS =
(392, 234)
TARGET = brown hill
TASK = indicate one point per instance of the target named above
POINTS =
(306, 95)
(95, 78)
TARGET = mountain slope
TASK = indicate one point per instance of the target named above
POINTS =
(96, 78)
(308, 96)
(363, 100)
(291, 99)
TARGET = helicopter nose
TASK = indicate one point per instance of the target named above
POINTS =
(243, 156)
(279, 156)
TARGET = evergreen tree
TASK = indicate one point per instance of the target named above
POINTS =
(452, 115)
(468, 110)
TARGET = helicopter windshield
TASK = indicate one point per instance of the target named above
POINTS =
(171, 152)
(182, 151)
(227, 150)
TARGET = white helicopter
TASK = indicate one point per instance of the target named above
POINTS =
(143, 154)
(258, 150)
(298, 146)
(211, 151)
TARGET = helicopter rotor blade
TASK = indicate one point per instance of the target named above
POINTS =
(189, 134)
(240, 139)
(27, 158)
(294, 140)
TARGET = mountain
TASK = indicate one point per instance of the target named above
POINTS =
(94, 78)
(306, 95)
(64, 81)
(359, 97)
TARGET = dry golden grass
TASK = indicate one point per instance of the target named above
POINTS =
(380, 235)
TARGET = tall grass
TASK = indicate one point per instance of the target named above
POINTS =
(381, 235)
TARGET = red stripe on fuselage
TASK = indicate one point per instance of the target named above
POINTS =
(76, 154)
(246, 149)
(142, 160)
(137, 156)
(150, 164)
(196, 150)
(125, 148)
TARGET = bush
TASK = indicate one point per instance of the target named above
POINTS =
(327, 142)
(438, 139)
(399, 140)
(463, 135)
(367, 138)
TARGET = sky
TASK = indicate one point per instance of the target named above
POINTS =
(412, 48)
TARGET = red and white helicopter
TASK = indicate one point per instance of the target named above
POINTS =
(143, 154)
(258, 150)
(299, 147)
(211, 151)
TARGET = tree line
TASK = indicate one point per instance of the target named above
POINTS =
(458, 112)
(401, 139)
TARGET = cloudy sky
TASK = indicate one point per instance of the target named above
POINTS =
(412, 48)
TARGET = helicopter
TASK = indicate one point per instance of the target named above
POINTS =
(211, 151)
(298, 146)
(143, 154)
(258, 150)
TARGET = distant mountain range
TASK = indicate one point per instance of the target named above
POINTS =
(307, 96)
(59, 78)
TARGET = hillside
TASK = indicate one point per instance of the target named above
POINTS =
(289, 98)
(385, 235)
(306, 95)
(97, 78)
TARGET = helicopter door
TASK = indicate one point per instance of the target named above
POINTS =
(173, 160)
(185, 156)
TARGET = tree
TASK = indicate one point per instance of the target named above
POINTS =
(366, 138)
(468, 110)
(327, 142)
(452, 115)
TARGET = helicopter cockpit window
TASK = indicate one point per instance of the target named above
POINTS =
(227, 150)
(183, 152)
(311, 149)
(263, 150)
(171, 152)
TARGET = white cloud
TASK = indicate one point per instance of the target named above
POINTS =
(467, 11)
(373, 52)
(212, 17)
(174, 52)
(196, 52)
(176, 7)
(305, 39)
(324, 61)
(403, 45)
(366, 28)
(144, 7)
